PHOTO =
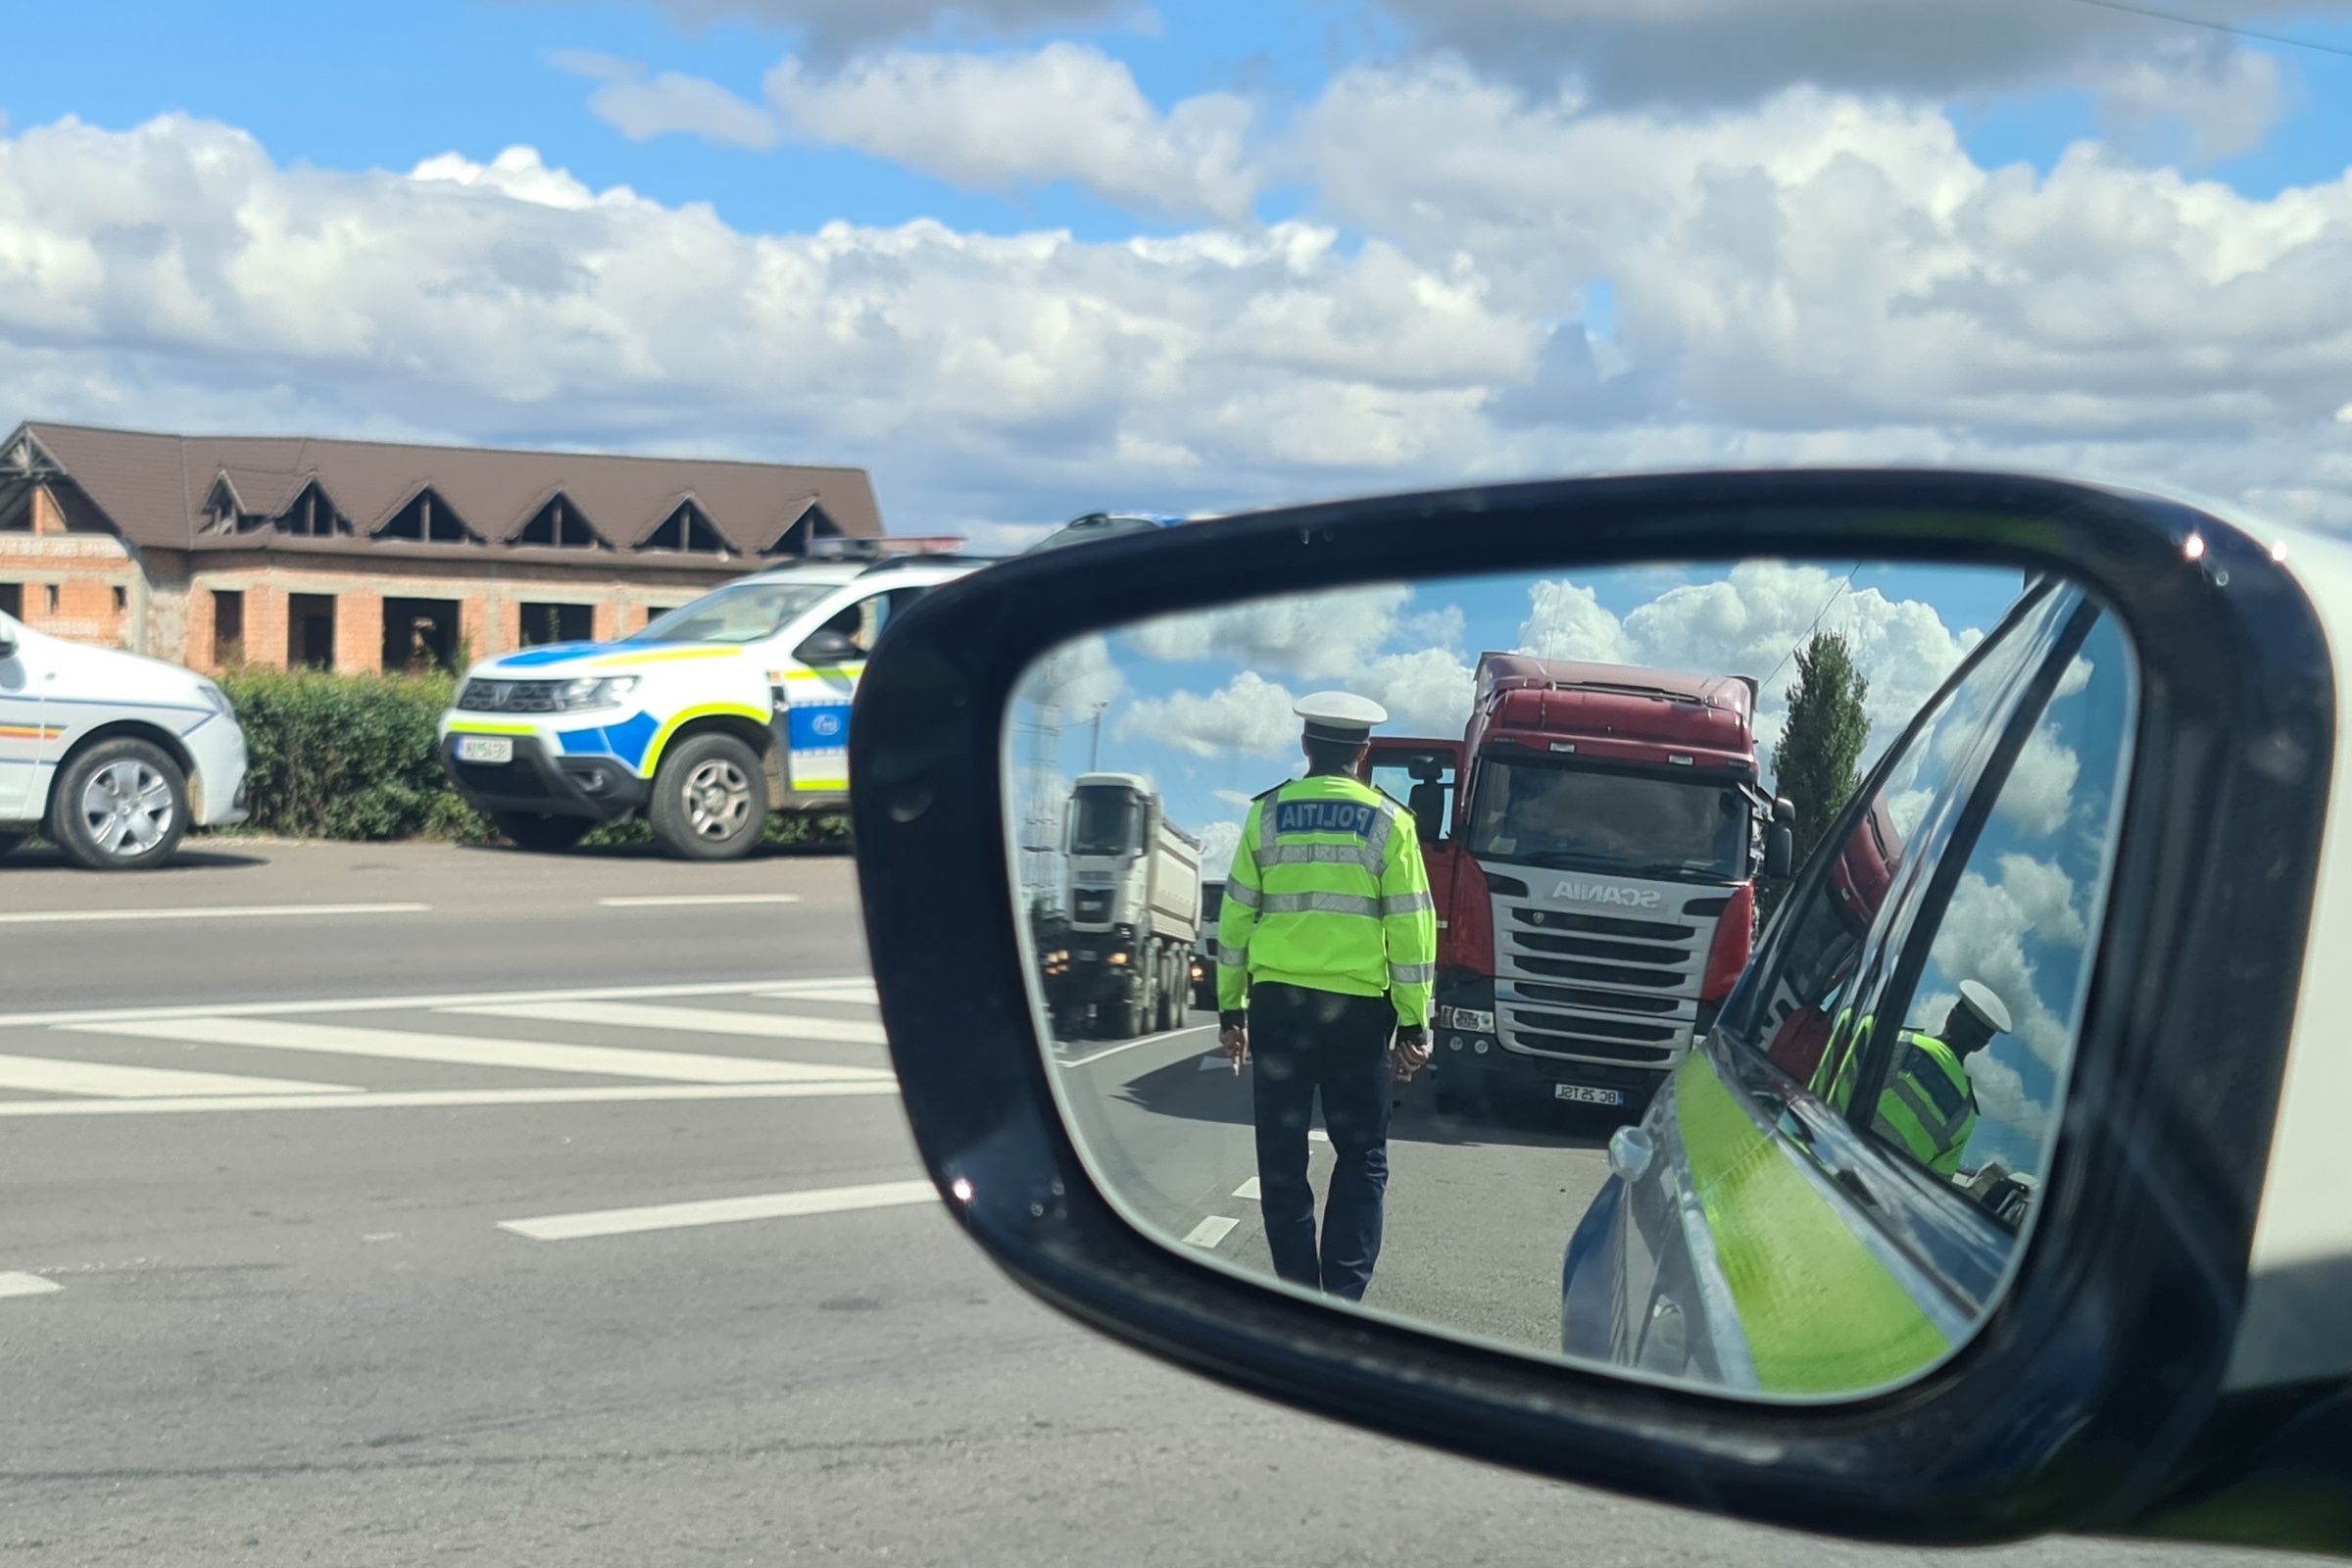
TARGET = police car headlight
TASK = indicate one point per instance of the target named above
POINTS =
(593, 692)
(215, 696)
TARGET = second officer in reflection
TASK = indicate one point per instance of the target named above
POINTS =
(1326, 948)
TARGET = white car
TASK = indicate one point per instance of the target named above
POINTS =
(111, 756)
(716, 714)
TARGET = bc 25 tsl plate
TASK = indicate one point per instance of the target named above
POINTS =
(1587, 1096)
(485, 749)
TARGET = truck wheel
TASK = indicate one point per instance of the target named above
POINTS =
(538, 830)
(709, 799)
(121, 805)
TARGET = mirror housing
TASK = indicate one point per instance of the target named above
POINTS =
(826, 647)
(1779, 853)
(2097, 1396)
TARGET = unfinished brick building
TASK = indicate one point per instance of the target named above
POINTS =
(212, 551)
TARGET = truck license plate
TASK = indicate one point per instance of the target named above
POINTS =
(1587, 1096)
(485, 749)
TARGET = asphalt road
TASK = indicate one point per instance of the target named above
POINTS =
(349, 1239)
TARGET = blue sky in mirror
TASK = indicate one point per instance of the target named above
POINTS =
(1028, 257)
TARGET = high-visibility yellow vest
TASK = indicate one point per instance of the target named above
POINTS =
(1928, 1107)
(1328, 891)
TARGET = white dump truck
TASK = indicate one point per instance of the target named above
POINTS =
(1133, 898)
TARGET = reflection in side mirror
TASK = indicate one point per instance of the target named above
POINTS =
(1445, 1029)
(825, 648)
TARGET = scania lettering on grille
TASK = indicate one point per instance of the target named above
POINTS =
(1606, 893)
(1324, 816)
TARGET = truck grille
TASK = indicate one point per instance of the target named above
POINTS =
(1093, 908)
(510, 697)
(1574, 984)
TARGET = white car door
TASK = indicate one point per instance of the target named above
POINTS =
(25, 742)
(820, 679)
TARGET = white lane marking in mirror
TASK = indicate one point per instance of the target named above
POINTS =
(1216, 1062)
(57, 1076)
(233, 912)
(720, 1212)
(1210, 1231)
(469, 1050)
(416, 1098)
(1318, 1135)
(27, 1284)
(1247, 1188)
(851, 991)
(1129, 1044)
(690, 1021)
(665, 901)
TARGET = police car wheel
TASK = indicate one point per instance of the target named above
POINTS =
(121, 805)
(709, 799)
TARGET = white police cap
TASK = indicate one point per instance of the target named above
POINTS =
(1342, 717)
(1981, 1000)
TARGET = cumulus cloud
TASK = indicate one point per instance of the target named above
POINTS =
(1248, 713)
(1303, 634)
(2039, 792)
(1983, 937)
(672, 103)
(835, 27)
(1216, 848)
(1075, 680)
(995, 121)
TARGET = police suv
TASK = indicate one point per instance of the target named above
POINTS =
(716, 714)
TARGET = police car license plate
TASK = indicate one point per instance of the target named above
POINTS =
(1587, 1096)
(485, 749)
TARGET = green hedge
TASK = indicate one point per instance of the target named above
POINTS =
(347, 756)
(351, 757)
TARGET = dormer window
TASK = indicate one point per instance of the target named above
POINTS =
(313, 515)
(428, 519)
(558, 525)
(688, 528)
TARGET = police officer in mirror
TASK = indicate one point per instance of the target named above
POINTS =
(1327, 947)
(1929, 1106)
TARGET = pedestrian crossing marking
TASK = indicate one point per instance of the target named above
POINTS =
(1247, 1188)
(51, 1075)
(27, 1284)
(1210, 1231)
(720, 1210)
(688, 1020)
(436, 1099)
(824, 991)
(468, 1051)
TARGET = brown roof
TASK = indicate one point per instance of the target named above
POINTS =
(155, 488)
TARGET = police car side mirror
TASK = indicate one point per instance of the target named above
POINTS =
(826, 647)
(1886, 1256)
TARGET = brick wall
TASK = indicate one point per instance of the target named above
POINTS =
(359, 630)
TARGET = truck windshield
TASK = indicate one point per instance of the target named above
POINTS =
(740, 612)
(1103, 821)
(1640, 825)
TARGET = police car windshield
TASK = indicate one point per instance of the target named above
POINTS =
(741, 613)
(1103, 821)
(1636, 825)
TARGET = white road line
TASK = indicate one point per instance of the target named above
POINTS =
(1318, 1135)
(1210, 1231)
(57, 1076)
(416, 1098)
(1088, 1062)
(847, 991)
(1247, 1188)
(229, 912)
(666, 900)
(720, 1212)
(469, 1050)
(690, 1021)
(259, 1009)
(27, 1284)
(1216, 1062)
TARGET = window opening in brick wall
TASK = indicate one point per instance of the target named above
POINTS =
(559, 524)
(420, 634)
(228, 626)
(49, 597)
(12, 599)
(556, 623)
(121, 599)
(687, 528)
(310, 631)
(653, 612)
(427, 519)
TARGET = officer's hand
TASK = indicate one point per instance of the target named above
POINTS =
(1412, 1052)
(1235, 1037)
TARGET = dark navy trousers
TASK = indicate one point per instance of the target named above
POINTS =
(1305, 1042)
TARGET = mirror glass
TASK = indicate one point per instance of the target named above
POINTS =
(1421, 945)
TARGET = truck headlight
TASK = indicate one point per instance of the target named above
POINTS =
(1477, 1020)
(593, 692)
(1118, 957)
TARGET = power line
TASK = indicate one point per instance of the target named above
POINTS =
(2152, 14)
(1843, 583)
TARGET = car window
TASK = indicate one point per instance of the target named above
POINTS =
(740, 612)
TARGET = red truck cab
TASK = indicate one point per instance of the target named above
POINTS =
(1594, 843)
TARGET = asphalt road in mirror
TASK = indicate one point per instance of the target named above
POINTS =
(398, 1204)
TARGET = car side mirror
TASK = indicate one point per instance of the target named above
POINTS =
(1779, 853)
(1813, 1296)
(826, 647)
(8, 643)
